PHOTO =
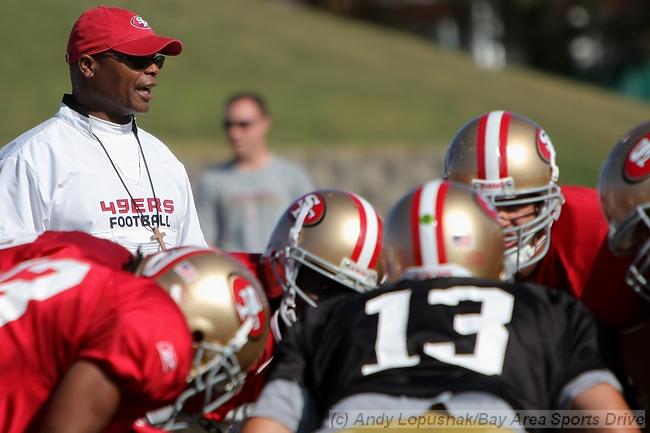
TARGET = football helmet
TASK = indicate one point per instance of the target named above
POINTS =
(511, 160)
(442, 229)
(624, 187)
(228, 314)
(327, 242)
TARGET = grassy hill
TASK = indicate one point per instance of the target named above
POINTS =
(329, 81)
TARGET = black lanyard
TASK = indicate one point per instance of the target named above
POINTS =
(157, 234)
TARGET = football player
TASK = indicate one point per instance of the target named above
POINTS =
(624, 186)
(447, 334)
(326, 243)
(89, 347)
(555, 236)
(324, 239)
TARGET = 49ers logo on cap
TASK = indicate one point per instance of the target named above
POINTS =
(248, 304)
(313, 204)
(636, 167)
(139, 23)
(544, 146)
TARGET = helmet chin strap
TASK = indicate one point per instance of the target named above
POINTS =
(275, 326)
(288, 308)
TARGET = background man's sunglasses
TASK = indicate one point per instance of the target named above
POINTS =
(138, 62)
(243, 124)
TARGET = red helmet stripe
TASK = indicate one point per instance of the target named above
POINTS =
(161, 262)
(488, 146)
(440, 239)
(480, 147)
(362, 229)
(503, 144)
(380, 235)
(428, 220)
(369, 234)
(415, 226)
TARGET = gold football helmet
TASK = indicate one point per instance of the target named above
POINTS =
(226, 310)
(325, 243)
(511, 160)
(625, 197)
(441, 229)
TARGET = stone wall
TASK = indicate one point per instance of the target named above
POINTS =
(381, 176)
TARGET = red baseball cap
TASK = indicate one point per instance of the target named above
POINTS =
(105, 28)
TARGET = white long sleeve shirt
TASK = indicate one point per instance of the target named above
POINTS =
(56, 176)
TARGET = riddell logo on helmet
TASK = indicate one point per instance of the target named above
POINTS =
(139, 23)
(545, 147)
(313, 204)
(505, 186)
(248, 304)
(636, 167)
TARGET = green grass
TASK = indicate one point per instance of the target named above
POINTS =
(329, 81)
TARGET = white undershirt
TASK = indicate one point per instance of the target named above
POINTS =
(122, 146)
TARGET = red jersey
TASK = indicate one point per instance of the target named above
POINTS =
(579, 261)
(257, 376)
(59, 305)
(254, 264)
(63, 244)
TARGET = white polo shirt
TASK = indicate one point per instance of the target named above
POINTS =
(57, 177)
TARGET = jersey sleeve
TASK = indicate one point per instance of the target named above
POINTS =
(142, 342)
(580, 261)
(291, 357)
(285, 397)
(20, 186)
(580, 365)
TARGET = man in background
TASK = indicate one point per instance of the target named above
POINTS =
(239, 201)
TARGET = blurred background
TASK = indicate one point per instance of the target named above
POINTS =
(365, 93)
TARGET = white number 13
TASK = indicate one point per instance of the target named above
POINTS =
(488, 325)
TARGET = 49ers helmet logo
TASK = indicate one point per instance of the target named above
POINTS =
(636, 167)
(139, 23)
(545, 147)
(313, 204)
(248, 304)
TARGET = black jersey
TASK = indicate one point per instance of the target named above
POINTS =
(519, 342)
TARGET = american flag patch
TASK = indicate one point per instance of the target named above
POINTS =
(463, 241)
(187, 272)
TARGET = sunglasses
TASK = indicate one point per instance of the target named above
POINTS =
(243, 124)
(137, 62)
